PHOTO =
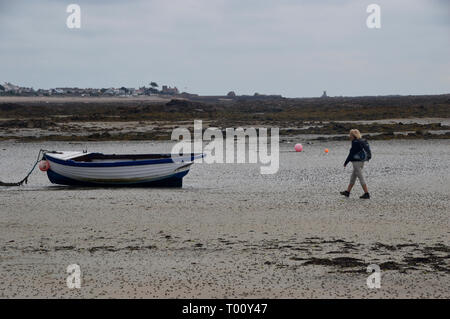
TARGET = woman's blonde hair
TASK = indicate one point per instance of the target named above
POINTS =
(355, 133)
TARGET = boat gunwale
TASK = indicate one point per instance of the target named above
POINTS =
(72, 162)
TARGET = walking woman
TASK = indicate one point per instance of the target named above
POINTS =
(359, 153)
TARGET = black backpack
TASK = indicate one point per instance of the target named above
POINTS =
(365, 154)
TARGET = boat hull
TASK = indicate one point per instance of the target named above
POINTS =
(176, 180)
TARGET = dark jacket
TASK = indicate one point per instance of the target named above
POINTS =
(356, 148)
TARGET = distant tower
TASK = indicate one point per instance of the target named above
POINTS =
(324, 94)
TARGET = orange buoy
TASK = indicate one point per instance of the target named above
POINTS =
(44, 166)
(326, 150)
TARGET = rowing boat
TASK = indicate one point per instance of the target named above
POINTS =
(98, 169)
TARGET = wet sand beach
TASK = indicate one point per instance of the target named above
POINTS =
(231, 232)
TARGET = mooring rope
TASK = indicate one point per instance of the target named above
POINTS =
(25, 179)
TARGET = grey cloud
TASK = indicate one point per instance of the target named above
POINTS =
(296, 48)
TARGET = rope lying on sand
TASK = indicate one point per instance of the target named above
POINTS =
(25, 179)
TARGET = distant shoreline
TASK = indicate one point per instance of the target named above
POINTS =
(154, 117)
(40, 99)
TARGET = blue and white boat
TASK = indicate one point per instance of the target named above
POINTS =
(97, 169)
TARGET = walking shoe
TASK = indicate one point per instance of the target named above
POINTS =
(345, 193)
(365, 196)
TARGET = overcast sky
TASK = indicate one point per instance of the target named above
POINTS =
(291, 47)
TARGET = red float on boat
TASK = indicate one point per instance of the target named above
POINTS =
(44, 166)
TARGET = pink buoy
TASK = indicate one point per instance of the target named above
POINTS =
(44, 166)
(298, 147)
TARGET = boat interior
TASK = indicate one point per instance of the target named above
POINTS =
(99, 157)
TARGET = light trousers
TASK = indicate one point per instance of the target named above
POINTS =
(357, 173)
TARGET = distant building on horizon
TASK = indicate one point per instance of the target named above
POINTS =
(324, 94)
(168, 90)
(12, 89)
(9, 87)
